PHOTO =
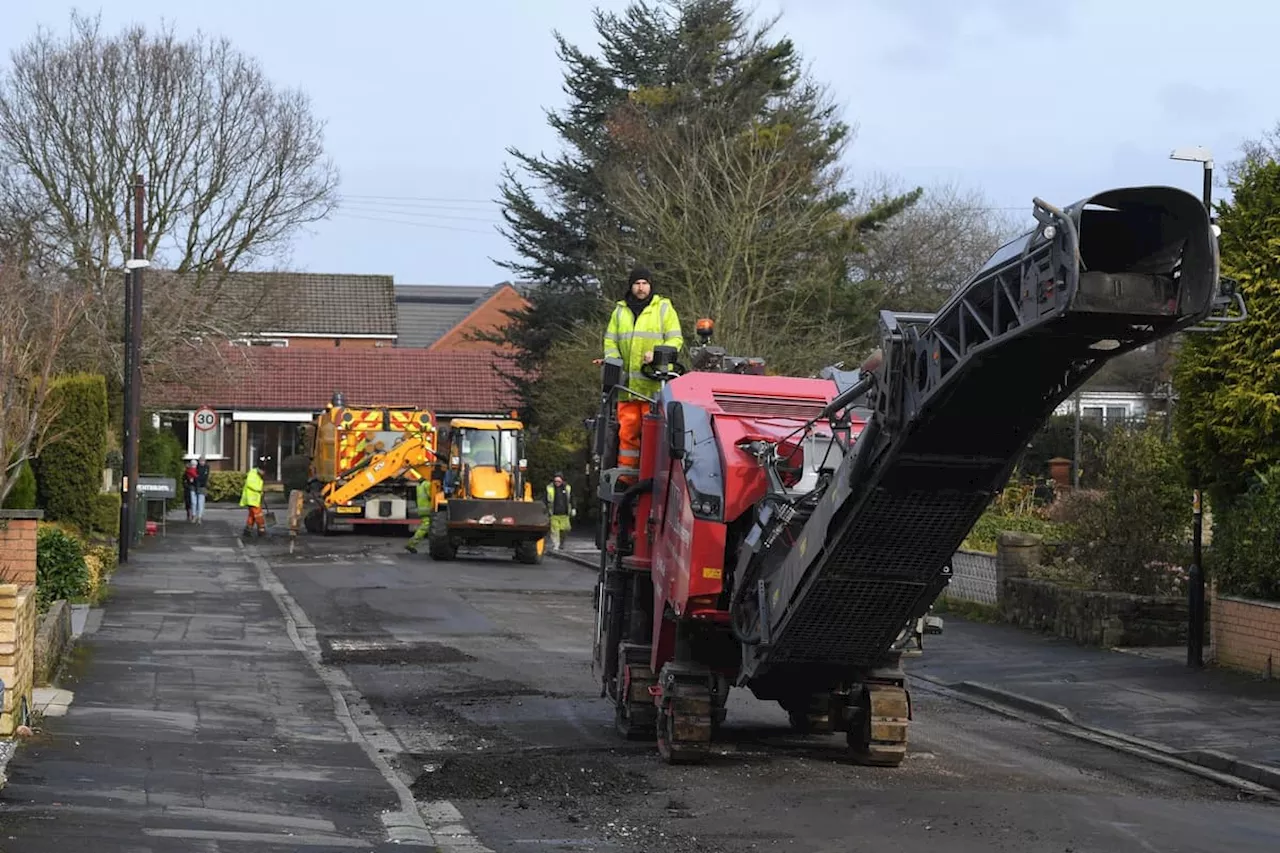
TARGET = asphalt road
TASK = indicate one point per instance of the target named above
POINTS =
(482, 670)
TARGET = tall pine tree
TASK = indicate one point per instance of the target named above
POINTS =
(672, 59)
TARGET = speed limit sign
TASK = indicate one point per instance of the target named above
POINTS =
(205, 418)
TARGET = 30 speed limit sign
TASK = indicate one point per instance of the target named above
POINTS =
(205, 418)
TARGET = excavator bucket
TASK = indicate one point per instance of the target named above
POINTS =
(521, 519)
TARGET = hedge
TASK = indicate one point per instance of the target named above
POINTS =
(1246, 539)
(69, 470)
(23, 493)
(61, 571)
(225, 486)
(106, 514)
(160, 455)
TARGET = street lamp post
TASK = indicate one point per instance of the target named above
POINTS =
(1195, 577)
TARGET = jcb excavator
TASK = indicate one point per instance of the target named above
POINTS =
(484, 497)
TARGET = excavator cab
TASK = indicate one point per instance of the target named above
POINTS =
(485, 497)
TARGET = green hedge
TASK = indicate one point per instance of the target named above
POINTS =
(23, 493)
(106, 514)
(69, 470)
(225, 486)
(160, 455)
(61, 571)
(1246, 539)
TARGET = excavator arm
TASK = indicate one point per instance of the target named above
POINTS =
(411, 453)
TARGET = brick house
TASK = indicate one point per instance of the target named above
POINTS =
(359, 334)
(266, 393)
(443, 317)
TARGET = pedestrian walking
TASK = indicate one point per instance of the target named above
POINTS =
(189, 488)
(202, 487)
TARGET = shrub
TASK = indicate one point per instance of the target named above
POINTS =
(69, 470)
(160, 455)
(293, 471)
(23, 493)
(1132, 533)
(225, 486)
(106, 514)
(1017, 508)
(1246, 540)
(61, 571)
(1057, 439)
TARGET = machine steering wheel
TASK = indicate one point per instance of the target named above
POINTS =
(670, 371)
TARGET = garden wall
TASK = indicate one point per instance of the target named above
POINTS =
(1106, 619)
(1246, 633)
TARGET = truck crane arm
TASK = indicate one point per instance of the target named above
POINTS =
(413, 452)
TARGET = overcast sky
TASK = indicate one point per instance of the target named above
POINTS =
(1014, 98)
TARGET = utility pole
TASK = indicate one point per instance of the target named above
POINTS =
(1195, 576)
(133, 370)
(1075, 447)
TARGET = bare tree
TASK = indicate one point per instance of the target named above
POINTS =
(37, 314)
(234, 167)
(914, 261)
(742, 227)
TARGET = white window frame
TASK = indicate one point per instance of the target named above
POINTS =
(223, 417)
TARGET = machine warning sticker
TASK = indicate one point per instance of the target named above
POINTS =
(712, 574)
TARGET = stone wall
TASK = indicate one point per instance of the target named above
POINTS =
(1246, 633)
(17, 649)
(1106, 619)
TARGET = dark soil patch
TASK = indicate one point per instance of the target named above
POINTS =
(391, 653)
(545, 776)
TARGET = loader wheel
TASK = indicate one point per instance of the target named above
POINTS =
(527, 553)
(438, 542)
(878, 735)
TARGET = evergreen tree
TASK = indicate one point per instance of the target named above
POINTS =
(1228, 411)
(660, 64)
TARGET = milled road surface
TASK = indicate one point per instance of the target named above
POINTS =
(482, 669)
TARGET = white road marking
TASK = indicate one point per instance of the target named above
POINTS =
(440, 823)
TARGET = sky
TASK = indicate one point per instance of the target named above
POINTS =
(423, 99)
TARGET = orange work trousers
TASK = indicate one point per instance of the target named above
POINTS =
(256, 518)
(630, 419)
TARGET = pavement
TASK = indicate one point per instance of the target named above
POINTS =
(192, 719)
(1219, 719)
(347, 695)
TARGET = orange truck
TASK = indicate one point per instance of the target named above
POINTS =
(366, 462)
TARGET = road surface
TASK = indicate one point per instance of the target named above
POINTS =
(481, 668)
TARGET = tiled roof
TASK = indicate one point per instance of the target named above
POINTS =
(307, 303)
(426, 312)
(291, 379)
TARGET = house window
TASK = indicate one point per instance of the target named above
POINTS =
(1092, 414)
(1117, 414)
(206, 443)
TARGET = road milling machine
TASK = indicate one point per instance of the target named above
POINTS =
(365, 465)
(484, 497)
(781, 531)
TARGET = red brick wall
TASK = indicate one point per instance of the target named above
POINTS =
(488, 317)
(1246, 634)
(18, 547)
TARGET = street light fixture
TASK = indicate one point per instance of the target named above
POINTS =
(1195, 577)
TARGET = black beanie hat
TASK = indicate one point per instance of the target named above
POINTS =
(637, 274)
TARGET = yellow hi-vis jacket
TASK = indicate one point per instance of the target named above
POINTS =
(251, 495)
(629, 337)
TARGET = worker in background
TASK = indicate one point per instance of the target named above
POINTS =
(423, 494)
(251, 497)
(560, 506)
(640, 321)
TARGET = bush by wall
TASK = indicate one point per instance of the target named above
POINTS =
(106, 514)
(225, 486)
(23, 493)
(61, 571)
(1132, 533)
(1246, 540)
(69, 470)
(160, 455)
